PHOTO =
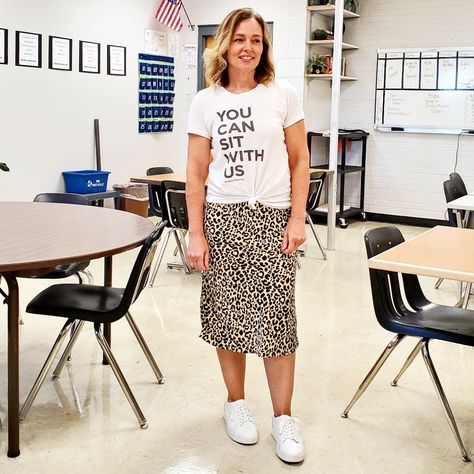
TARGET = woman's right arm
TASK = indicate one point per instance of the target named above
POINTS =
(197, 169)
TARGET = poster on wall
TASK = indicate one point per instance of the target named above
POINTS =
(156, 85)
(28, 49)
(190, 54)
(3, 46)
(116, 60)
(89, 57)
(60, 53)
(155, 42)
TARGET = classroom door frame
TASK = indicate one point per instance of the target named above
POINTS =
(204, 32)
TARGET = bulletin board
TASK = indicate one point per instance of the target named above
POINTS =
(155, 93)
(429, 89)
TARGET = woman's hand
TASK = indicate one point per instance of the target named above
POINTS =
(294, 235)
(198, 252)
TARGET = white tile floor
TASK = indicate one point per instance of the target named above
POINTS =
(83, 423)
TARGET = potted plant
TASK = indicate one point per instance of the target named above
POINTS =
(316, 65)
(4, 167)
(351, 5)
(312, 3)
(319, 34)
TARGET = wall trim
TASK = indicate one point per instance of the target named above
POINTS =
(415, 221)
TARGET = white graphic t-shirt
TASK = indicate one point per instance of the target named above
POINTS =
(248, 142)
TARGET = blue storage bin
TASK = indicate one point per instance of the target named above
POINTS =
(85, 181)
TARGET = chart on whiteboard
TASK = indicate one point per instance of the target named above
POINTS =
(425, 89)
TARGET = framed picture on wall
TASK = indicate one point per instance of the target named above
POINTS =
(60, 53)
(28, 49)
(89, 57)
(3, 46)
(116, 60)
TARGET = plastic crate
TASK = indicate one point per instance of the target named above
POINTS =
(86, 181)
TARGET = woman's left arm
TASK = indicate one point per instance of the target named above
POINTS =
(298, 161)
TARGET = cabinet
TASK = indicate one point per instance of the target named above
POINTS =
(343, 169)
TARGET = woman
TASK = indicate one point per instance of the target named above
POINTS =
(245, 235)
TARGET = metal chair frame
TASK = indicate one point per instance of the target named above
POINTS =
(137, 281)
(421, 319)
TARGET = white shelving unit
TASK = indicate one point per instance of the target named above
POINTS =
(329, 44)
(336, 46)
(330, 11)
(329, 77)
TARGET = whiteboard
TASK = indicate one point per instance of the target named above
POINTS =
(429, 89)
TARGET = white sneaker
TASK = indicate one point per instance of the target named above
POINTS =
(286, 433)
(240, 423)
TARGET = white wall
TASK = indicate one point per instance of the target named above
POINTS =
(405, 171)
(46, 116)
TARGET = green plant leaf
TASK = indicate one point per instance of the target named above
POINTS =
(4, 167)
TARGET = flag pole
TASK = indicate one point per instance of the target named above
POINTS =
(187, 16)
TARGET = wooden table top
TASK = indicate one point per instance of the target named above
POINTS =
(464, 203)
(181, 176)
(441, 252)
(41, 235)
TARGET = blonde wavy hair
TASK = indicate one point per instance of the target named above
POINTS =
(215, 58)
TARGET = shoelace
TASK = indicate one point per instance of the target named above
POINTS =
(243, 414)
(289, 429)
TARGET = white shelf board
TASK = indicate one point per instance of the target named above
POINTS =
(330, 10)
(330, 44)
(328, 77)
(324, 208)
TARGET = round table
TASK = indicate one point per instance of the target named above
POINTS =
(34, 237)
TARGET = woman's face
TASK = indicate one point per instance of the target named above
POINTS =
(246, 46)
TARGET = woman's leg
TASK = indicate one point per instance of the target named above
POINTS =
(233, 371)
(281, 375)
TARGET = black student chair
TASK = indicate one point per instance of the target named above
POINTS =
(316, 182)
(154, 190)
(456, 177)
(420, 318)
(175, 212)
(77, 269)
(99, 305)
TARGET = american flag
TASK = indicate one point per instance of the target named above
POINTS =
(168, 14)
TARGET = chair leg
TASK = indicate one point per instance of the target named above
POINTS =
(182, 252)
(88, 275)
(67, 352)
(311, 225)
(44, 371)
(159, 258)
(438, 283)
(119, 375)
(373, 372)
(408, 362)
(442, 398)
(145, 349)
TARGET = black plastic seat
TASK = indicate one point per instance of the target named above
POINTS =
(154, 190)
(454, 190)
(456, 177)
(99, 305)
(316, 182)
(77, 269)
(175, 212)
(416, 316)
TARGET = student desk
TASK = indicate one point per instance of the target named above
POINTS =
(34, 237)
(181, 176)
(464, 203)
(441, 252)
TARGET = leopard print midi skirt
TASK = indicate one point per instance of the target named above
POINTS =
(248, 293)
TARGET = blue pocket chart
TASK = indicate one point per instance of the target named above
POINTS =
(156, 80)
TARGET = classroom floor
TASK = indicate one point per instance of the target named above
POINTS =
(83, 423)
